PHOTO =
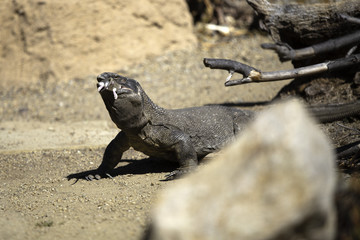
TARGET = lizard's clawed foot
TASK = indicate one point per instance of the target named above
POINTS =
(91, 177)
(177, 174)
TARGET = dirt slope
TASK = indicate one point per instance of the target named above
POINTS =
(59, 40)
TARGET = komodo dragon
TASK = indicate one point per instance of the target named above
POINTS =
(181, 135)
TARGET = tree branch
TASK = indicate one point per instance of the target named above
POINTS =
(251, 74)
(286, 53)
(302, 25)
(350, 19)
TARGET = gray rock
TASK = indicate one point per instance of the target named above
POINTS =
(276, 181)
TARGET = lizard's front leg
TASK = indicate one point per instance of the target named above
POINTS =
(112, 156)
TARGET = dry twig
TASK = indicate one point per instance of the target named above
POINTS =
(251, 74)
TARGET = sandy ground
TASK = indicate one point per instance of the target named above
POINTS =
(51, 130)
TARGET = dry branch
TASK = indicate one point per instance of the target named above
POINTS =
(350, 19)
(302, 25)
(251, 74)
(286, 53)
(301, 33)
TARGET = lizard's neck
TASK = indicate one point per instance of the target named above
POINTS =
(132, 114)
(151, 110)
(146, 112)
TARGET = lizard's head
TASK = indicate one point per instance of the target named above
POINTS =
(122, 97)
(121, 87)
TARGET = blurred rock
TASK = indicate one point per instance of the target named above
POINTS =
(274, 182)
(58, 40)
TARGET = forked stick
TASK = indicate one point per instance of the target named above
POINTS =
(251, 74)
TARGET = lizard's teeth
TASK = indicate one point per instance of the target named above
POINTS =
(115, 94)
(101, 85)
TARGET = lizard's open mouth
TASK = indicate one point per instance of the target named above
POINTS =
(116, 89)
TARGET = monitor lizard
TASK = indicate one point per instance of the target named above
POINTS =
(182, 135)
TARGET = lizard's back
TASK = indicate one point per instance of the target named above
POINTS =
(209, 127)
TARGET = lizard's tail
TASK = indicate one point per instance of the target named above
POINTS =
(334, 112)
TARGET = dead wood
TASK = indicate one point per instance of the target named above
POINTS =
(251, 74)
(302, 25)
(286, 53)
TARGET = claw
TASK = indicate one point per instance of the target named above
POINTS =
(171, 176)
(98, 176)
(89, 178)
(108, 175)
(176, 174)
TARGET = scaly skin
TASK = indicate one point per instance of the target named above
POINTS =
(182, 135)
